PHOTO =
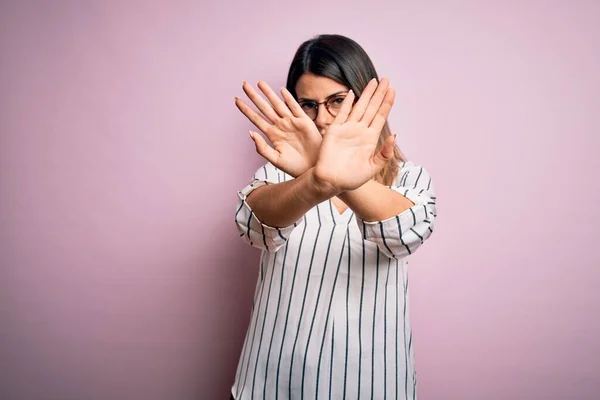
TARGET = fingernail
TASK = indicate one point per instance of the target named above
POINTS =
(251, 135)
(243, 83)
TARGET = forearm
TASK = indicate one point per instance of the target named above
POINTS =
(282, 204)
(374, 201)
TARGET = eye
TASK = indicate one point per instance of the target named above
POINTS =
(308, 105)
(336, 102)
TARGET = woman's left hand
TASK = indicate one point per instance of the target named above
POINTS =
(348, 157)
(294, 136)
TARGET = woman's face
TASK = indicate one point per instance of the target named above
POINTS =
(318, 89)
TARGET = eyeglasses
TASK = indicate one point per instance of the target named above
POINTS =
(333, 104)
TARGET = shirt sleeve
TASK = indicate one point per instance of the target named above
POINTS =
(402, 234)
(251, 229)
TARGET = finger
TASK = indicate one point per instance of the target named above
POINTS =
(359, 108)
(384, 111)
(252, 115)
(376, 101)
(292, 103)
(259, 102)
(278, 105)
(263, 148)
(345, 109)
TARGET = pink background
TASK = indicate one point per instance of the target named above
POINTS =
(122, 275)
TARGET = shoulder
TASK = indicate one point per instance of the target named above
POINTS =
(270, 173)
(411, 174)
(406, 167)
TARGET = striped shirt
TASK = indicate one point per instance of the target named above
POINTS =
(330, 316)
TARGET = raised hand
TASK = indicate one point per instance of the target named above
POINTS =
(347, 157)
(294, 136)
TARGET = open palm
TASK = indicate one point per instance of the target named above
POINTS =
(294, 137)
(348, 156)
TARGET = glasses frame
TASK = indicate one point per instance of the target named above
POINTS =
(324, 102)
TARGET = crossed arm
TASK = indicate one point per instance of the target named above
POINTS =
(398, 218)
(281, 204)
(398, 230)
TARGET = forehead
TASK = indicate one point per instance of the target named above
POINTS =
(316, 87)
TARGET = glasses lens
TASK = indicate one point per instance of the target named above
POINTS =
(309, 109)
(334, 104)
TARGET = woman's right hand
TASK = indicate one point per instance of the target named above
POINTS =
(295, 137)
(348, 156)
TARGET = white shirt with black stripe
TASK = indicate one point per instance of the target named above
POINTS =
(330, 317)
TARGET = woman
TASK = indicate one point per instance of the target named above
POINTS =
(336, 210)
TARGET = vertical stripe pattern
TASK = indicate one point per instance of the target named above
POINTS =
(330, 318)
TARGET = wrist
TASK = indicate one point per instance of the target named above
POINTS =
(316, 189)
(347, 195)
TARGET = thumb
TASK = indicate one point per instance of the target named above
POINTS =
(386, 153)
(263, 148)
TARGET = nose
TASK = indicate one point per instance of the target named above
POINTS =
(324, 119)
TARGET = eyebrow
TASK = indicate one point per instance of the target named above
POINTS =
(328, 97)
